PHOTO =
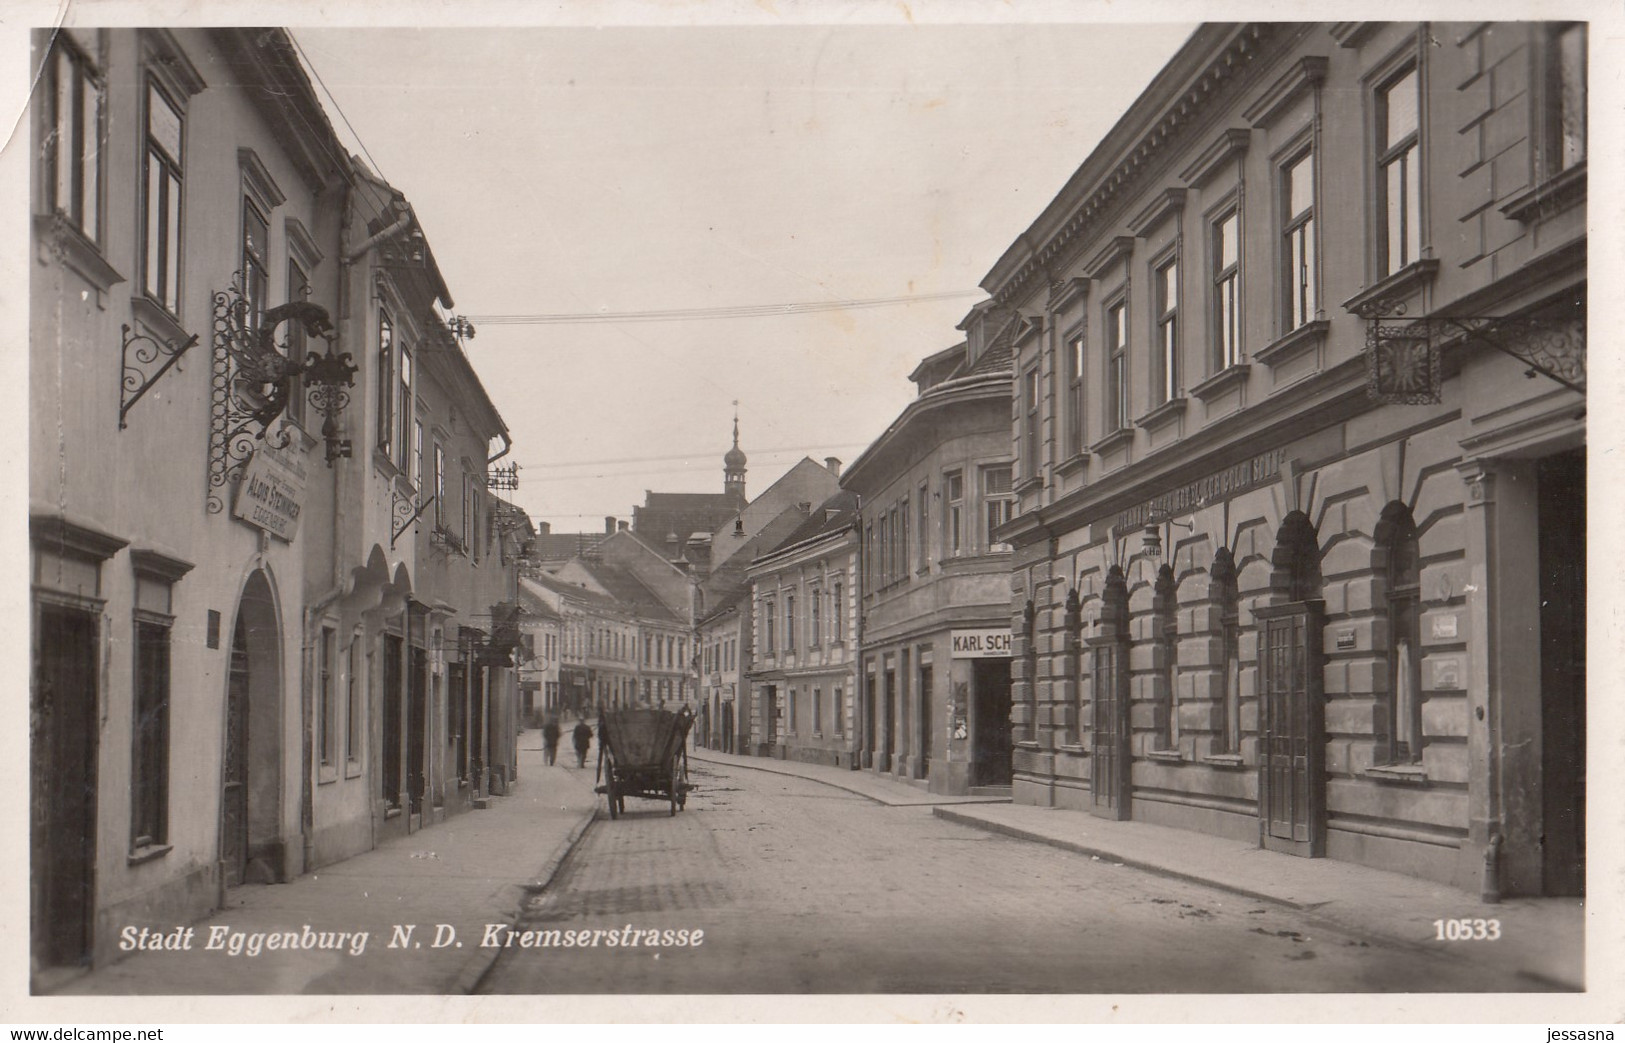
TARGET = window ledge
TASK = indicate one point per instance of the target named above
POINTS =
(1121, 437)
(384, 465)
(1388, 293)
(392, 812)
(326, 775)
(1077, 463)
(1288, 347)
(1224, 760)
(1027, 744)
(149, 853)
(1027, 485)
(1160, 416)
(1412, 774)
(151, 314)
(76, 250)
(1222, 381)
(1552, 196)
(1069, 747)
(1166, 756)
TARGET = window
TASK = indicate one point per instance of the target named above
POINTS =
(1226, 296)
(256, 250)
(815, 600)
(837, 713)
(838, 612)
(869, 562)
(416, 476)
(902, 540)
(1563, 122)
(439, 485)
(769, 646)
(298, 290)
(386, 380)
(922, 546)
(1029, 424)
(790, 704)
(997, 500)
(1399, 172)
(1117, 410)
(1166, 656)
(161, 257)
(352, 711)
(1166, 360)
(1397, 535)
(1074, 396)
(73, 148)
(953, 525)
(884, 564)
(326, 707)
(402, 425)
(1228, 726)
(818, 711)
(1298, 252)
(149, 820)
(789, 622)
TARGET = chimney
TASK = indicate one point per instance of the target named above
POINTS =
(834, 465)
(609, 525)
(545, 528)
(805, 506)
(624, 525)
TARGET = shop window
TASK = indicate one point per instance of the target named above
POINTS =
(1227, 291)
(1298, 248)
(1029, 659)
(1399, 177)
(1073, 667)
(150, 758)
(326, 705)
(74, 96)
(1397, 543)
(1228, 726)
(1165, 632)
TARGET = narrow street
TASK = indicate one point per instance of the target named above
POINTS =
(800, 887)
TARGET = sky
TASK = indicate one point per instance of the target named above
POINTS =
(571, 170)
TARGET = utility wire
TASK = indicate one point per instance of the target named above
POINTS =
(336, 106)
(738, 311)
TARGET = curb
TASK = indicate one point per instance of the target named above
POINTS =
(513, 899)
(950, 815)
(848, 789)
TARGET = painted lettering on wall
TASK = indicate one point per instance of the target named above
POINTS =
(272, 492)
(988, 643)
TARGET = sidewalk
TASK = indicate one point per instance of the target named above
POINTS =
(1541, 938)
(473, 869)
(882, 789)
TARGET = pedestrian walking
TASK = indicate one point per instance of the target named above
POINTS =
(582, 737)
(550, 739)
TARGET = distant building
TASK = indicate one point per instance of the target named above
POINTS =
(1300, 452)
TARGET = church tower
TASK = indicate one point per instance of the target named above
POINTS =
(733, 465)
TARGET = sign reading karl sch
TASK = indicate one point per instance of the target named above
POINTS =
(271, 492)
(991, 643)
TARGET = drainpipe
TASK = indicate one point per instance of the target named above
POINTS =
(507, 447)
(401, 224)
(1490, 885)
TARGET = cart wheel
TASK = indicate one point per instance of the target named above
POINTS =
(614, 803)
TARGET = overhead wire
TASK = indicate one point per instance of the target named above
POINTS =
(735, 311)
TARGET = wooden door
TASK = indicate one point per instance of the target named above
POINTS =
(1292, 781)
(234, 790)
(64, 780)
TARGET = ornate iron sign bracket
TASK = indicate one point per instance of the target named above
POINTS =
(1403, 355)
(137, 381)
(407, 511)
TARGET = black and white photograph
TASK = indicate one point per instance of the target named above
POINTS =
(618, 512)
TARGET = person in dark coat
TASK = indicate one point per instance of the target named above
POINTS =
(582, 737)
(550, 739)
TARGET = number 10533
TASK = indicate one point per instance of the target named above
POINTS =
(1465, 930)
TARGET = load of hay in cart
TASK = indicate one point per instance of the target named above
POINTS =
(643, 753)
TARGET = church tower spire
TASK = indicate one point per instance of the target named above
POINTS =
(733, 464)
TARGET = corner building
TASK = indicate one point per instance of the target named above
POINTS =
(933, 622)
(1299, 427)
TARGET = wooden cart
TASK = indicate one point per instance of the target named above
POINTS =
(644, 753)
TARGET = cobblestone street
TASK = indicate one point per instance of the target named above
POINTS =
(800, 887)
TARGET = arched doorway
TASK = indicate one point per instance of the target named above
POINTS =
(1291, 683)
(251, 777)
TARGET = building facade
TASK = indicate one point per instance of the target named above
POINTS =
(1299, 549)
(804, 597)
(933, 618)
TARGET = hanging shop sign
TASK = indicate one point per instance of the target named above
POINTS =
(987, 643)
(272, 492)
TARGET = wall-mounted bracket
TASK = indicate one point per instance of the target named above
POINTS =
(137, 380)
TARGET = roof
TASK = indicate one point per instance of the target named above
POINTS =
(663, 515)
(629, 591)
(571, 590)
(833, 515)
(562, 546)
